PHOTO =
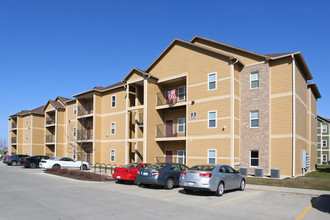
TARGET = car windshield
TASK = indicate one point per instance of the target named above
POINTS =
(203, 167)
(156, 166)
(132, 165)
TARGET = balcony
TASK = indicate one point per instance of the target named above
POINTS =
(170, 99)
(50, 138)
(85, 135)
(85, 110)
(50, 121)
(14, 140)
(139, 120)
(13, 125)
(169, 132)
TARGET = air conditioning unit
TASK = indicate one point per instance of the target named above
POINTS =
(244, 171)
(259, 172)
(275, 173)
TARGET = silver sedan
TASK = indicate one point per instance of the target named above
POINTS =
(215, 178)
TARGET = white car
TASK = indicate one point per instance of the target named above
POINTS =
(62, 162)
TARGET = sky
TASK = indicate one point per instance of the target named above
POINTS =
(51, 48)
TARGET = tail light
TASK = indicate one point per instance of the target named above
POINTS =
(156, 173)
(127, 171)
(183, 174)
(7, 158)
(25, 160)
(139, 172)
(205, 175)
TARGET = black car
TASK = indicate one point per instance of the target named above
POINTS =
(15, 159)
(33, 162)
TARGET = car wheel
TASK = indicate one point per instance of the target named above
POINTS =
(242, 185)
(169, 183)
(84, 167)
(56, 166)
(33, 165)
(220, 189)
(136, 182)
(187, 190)
(13, 163)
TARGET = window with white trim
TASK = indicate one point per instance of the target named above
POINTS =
(113, 128)
(181, 125)
(74, 110)
(113, 101)
(254, 80)
(324, 158)
(254, 119)
(324, 143)
(212, 119)
(182, 156)
(212, 81)
(182, 93)
(324, 128)
(26, 136)
(74, 132)
(74, 154)
(254, 158)
(112, 155)
(27, 121)
(211, 156)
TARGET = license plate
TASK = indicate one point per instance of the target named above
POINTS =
(118, 177)
(190, 183)
(145, 173)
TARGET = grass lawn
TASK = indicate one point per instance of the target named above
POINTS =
(319, 180)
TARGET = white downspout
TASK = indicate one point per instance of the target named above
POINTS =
(293, 116)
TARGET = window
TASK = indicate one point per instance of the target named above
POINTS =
(181, 125)
(74, 154)
(26, 152)
(193, 115)
(74, 110)
(254, 119)
(182, 93)
(27, 121)
(254, 158)
(254, 80)
(113, 101)
(212, 79)
(211, 157)
(112, 155)
(212, 120)
(182, 156)
(113, 128)
(26, 136)
(74, 132)
(324, 143)
(324, 128)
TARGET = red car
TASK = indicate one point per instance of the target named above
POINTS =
(128, 172)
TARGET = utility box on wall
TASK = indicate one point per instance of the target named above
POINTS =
(305, 160)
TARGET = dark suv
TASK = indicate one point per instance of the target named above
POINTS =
(15, 159)
(33, 162)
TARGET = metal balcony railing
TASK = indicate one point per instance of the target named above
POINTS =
(164, 130)
(13, 125)
(50, 121)
(171, 159)
(50, 138)
(85, 110)
(164, 99)
(85, 134)
(139, 120)
(13, 140)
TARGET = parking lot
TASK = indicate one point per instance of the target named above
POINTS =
(32, 194)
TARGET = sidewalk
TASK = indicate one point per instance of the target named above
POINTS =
(311, 192)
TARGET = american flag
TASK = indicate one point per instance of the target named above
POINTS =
(171, 94)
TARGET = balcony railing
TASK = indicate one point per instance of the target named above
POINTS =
(13, 125)
(164, 98)
(50, 138)
(85, 134)
(169, 130)
(50, 121)
(139, 120)
(171, 159)
(85, 110)
(13, 140)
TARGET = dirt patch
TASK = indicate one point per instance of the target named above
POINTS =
(79, 175)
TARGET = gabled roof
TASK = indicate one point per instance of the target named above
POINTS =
(323, 119)
(176, 41)
(140, 72)
(37, 111)
(63, 99)
(55, 104)
(102, 89)
(315, 90)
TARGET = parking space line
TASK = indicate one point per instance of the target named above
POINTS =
(229, 200)
(167, 194)
(309, 208)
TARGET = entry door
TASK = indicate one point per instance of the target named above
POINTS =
(88, 133)
(169, 128)
(169, 157)
(88, 154)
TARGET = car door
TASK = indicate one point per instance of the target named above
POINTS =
(176, 171)
(234, 178)
(225, 176)
(63, 162)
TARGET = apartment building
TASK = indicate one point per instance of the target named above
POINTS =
(323, 140)
(199, 102)
(26, 132)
